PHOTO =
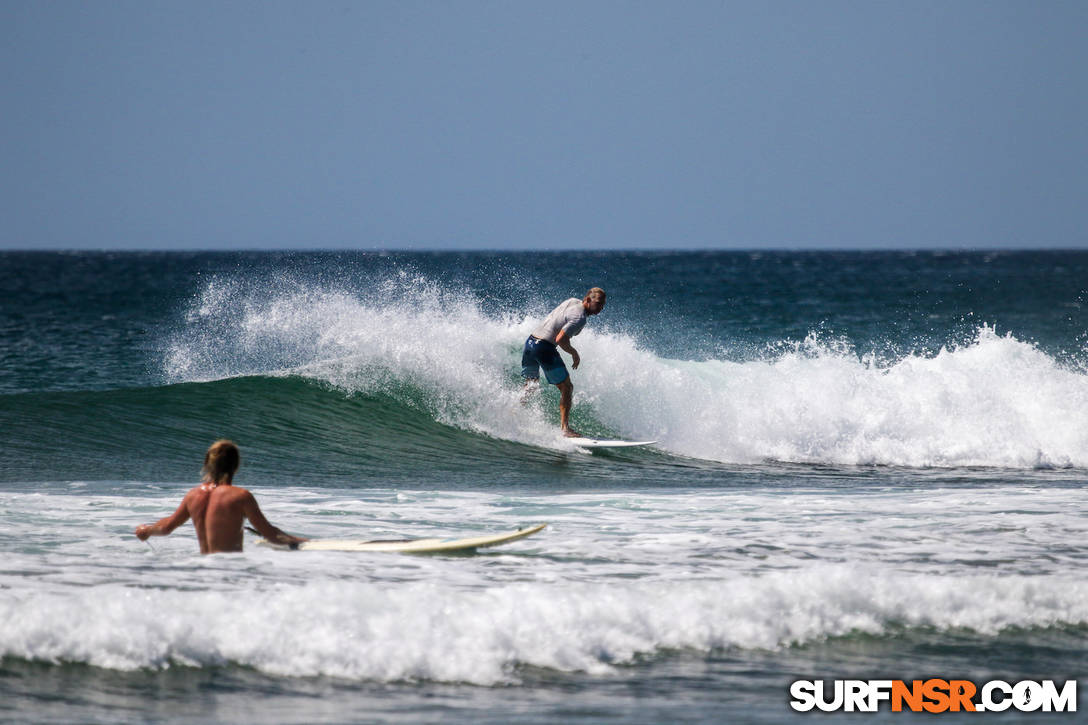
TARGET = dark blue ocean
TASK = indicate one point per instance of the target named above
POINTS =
(868, 465)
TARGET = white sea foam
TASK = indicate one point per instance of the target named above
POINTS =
(434, 631)
(615, 575)
(997, 401)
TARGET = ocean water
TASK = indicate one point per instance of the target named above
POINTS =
(869, 466)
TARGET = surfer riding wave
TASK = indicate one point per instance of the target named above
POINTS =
(540, 351)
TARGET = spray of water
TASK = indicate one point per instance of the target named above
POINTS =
(993, 401)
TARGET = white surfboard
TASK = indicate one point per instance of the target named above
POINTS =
(410, 546)
(602, 443)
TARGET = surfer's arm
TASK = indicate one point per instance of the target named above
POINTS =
(564, 343)
(164, 526)
(266, 529)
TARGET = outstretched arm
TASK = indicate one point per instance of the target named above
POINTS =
(266, 529)
(166, 525)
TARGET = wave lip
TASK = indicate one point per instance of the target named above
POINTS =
(994, 401)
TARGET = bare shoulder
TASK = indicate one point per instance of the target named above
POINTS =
(239, 496)
(221, 495)
(195, 493)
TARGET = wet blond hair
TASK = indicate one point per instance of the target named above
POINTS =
(221, 461)
(596, 294)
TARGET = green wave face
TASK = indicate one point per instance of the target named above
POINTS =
(292, 431)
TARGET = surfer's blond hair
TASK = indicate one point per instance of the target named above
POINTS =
(596, 294)
(221, 461)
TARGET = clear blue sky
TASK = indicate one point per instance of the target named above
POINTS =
(544, 125)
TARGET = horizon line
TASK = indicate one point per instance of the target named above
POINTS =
(545, 250)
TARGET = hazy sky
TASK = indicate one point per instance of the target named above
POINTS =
(543, 125)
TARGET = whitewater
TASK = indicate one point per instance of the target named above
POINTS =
(868, 466)
(615, 577)
(992, 400)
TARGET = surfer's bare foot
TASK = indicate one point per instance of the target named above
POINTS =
(571, 433)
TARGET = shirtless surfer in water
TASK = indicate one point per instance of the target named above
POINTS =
(217, 507)
(564, 322)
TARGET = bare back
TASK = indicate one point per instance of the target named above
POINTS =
(218, 511)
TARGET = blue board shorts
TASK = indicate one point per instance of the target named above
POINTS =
(542, 354)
